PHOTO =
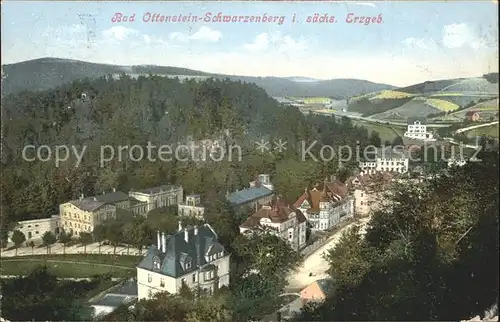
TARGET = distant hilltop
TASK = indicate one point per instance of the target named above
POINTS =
(46, 73)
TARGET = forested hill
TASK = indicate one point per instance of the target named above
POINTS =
(163, 111)
(46, 73)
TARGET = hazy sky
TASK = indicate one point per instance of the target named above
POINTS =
(417, 41)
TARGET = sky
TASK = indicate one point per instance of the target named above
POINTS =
(412, 42)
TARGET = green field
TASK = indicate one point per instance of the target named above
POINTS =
(386, 94)
(386, 132)
(491, 131)
(72, 265)
(313, 100)
(442, 105)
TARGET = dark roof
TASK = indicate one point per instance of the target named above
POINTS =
(113, 300)
(412, 120)
(155, 190)
(204, 243)
(248, 195)
(326, 285)
(95, 202)
(127, 288)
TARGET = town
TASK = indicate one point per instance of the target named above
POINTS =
(249, 162)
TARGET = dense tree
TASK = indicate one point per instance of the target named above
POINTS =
(436, 260)
(18, 239)
(64, 238)
(48, 240)
(85, 239)
(31, 244)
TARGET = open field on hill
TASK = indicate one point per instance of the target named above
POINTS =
(72, 265)
(388, 94)
(491, 105)
(491, 131)
(441, 105)
(312, 100)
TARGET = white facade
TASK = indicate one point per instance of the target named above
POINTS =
(35, 228)
(191, 207)
(389, 161)
(208, 272)
(330, 214)
(153, 198)
(417, 130)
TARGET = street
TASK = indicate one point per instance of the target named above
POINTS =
(315, 263)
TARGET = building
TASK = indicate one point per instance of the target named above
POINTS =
(417, 129)
(145, 200)
(191, 207)
(281, 220)
(317, 291)
(35, 228)
(193, 256)
(386, 159)
(368, 191)
(84, 214)
(258, 194)
(125, 293)
(327, 205)
(472, 116)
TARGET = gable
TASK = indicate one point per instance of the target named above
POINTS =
(305, 205)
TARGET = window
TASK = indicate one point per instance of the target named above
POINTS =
(162, 282)
(150, 278)
(188, 264)
(194, 278)
(36, 225)
(36, 232)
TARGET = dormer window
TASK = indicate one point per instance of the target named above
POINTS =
(189, 264)
(156, 263)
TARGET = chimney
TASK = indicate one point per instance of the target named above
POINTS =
(195, 230)
(163, 242)
(158, 240)
(186, 235)
(114, 189)
(82, 196)
(180, 225)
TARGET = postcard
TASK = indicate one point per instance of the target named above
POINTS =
(249, 160)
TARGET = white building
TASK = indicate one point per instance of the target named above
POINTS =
(417, 130)
(386, 159)
(145, 200)
(280, 220)
(264, 181)
(326, 206)
(35, 228)
(191, 207)
(193, 256)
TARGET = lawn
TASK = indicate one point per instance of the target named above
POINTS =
(386, 132)
(72, 265)
(491, 131)
(487, 106)
(441, 105)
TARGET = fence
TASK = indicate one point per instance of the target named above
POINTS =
(324, 239)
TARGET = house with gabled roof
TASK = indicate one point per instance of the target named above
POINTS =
(192, 256)
(281, 220)
(326, 205)
(317, 291)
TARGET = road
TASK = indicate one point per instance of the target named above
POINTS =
(475, 127)
(369, 119)
(315, 263)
